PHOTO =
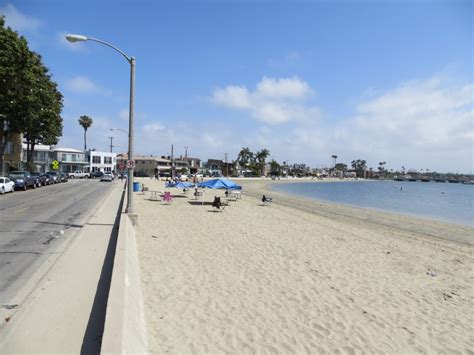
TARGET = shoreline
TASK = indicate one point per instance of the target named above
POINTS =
(406, 222)
(298, 276)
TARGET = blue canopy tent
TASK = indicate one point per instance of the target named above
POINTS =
(220, 184)
(180, 185)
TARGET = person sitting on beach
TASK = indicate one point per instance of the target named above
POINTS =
(217, 202)
(266, 200)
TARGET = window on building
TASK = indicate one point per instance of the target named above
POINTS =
(9, 148)
(96, 159)
(107, 160)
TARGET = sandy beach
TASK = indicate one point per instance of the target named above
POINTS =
(300, 276)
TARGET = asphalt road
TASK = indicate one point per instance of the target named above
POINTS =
(37, 225)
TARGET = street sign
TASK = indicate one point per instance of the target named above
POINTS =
(55, 165)
(130, 164)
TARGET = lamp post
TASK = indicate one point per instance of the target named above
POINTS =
(131, 60)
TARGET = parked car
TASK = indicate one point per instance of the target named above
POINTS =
(23, 180)
(107, 177)
(64, 177)
(55, 176)
(6, 185)
(78, 174)
(49, 179)
(96, 174)
(41, 178)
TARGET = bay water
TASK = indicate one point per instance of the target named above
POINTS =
(452, 203)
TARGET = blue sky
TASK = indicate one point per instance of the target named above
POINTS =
(376, 80)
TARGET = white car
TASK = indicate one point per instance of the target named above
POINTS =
(6, 185)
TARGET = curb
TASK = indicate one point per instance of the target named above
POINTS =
(125, 326)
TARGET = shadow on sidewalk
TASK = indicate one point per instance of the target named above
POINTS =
(92, 341)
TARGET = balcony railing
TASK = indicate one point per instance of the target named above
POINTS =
(70, 160)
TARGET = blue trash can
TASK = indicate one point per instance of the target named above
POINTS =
(136, 187)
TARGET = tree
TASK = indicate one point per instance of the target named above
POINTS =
(334, 167)
(85, 122)
(382, 168)
(14, 60)
(245, 156)
(260, 157)
(275, 168)
(246, 159)
(341, 167)
(29, 100)
(360, 166)
(42, 122)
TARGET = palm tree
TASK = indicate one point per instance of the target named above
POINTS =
(335, 158)
(261, 156)
(85, 122)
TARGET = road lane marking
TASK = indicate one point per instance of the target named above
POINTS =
(22, 210)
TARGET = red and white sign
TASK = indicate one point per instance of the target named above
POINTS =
(130, 164)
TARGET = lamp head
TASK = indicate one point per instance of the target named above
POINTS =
(75, 38)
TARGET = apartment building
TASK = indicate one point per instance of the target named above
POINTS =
(101, 161)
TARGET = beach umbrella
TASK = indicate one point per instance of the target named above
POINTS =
(180, 185)
(220, 184)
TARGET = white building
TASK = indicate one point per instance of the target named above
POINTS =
(100, 161)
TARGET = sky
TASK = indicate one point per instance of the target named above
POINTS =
(380, 80)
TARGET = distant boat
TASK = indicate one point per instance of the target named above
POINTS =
(453, 181)
(411, 179)
(468, 182)
(440, 180)
(425, 180)
(399, 179)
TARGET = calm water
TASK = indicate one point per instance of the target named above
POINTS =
(442, 201)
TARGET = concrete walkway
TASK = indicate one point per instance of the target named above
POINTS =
(66, 312)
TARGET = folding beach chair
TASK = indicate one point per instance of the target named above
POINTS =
(266, 200)
(217, 204)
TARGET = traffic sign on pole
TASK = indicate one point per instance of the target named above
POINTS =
(55, 165)
(130, 164)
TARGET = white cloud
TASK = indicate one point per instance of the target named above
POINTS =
(418, 124)
(75, 47)
(124, 114)
(19, 21)
(153, 127)
(274, 100)
(83, 85)
(232, 96)
(285, 88)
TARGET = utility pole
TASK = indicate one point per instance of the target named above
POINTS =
(111, 143)
(226, 166)
(172, 163)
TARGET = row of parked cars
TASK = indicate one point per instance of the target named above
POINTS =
(21, 180)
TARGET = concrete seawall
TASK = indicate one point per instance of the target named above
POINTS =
(125, 327)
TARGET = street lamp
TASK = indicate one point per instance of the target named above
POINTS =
(131, 60)
(119, 129)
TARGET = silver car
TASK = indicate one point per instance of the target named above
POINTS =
(107, 177)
